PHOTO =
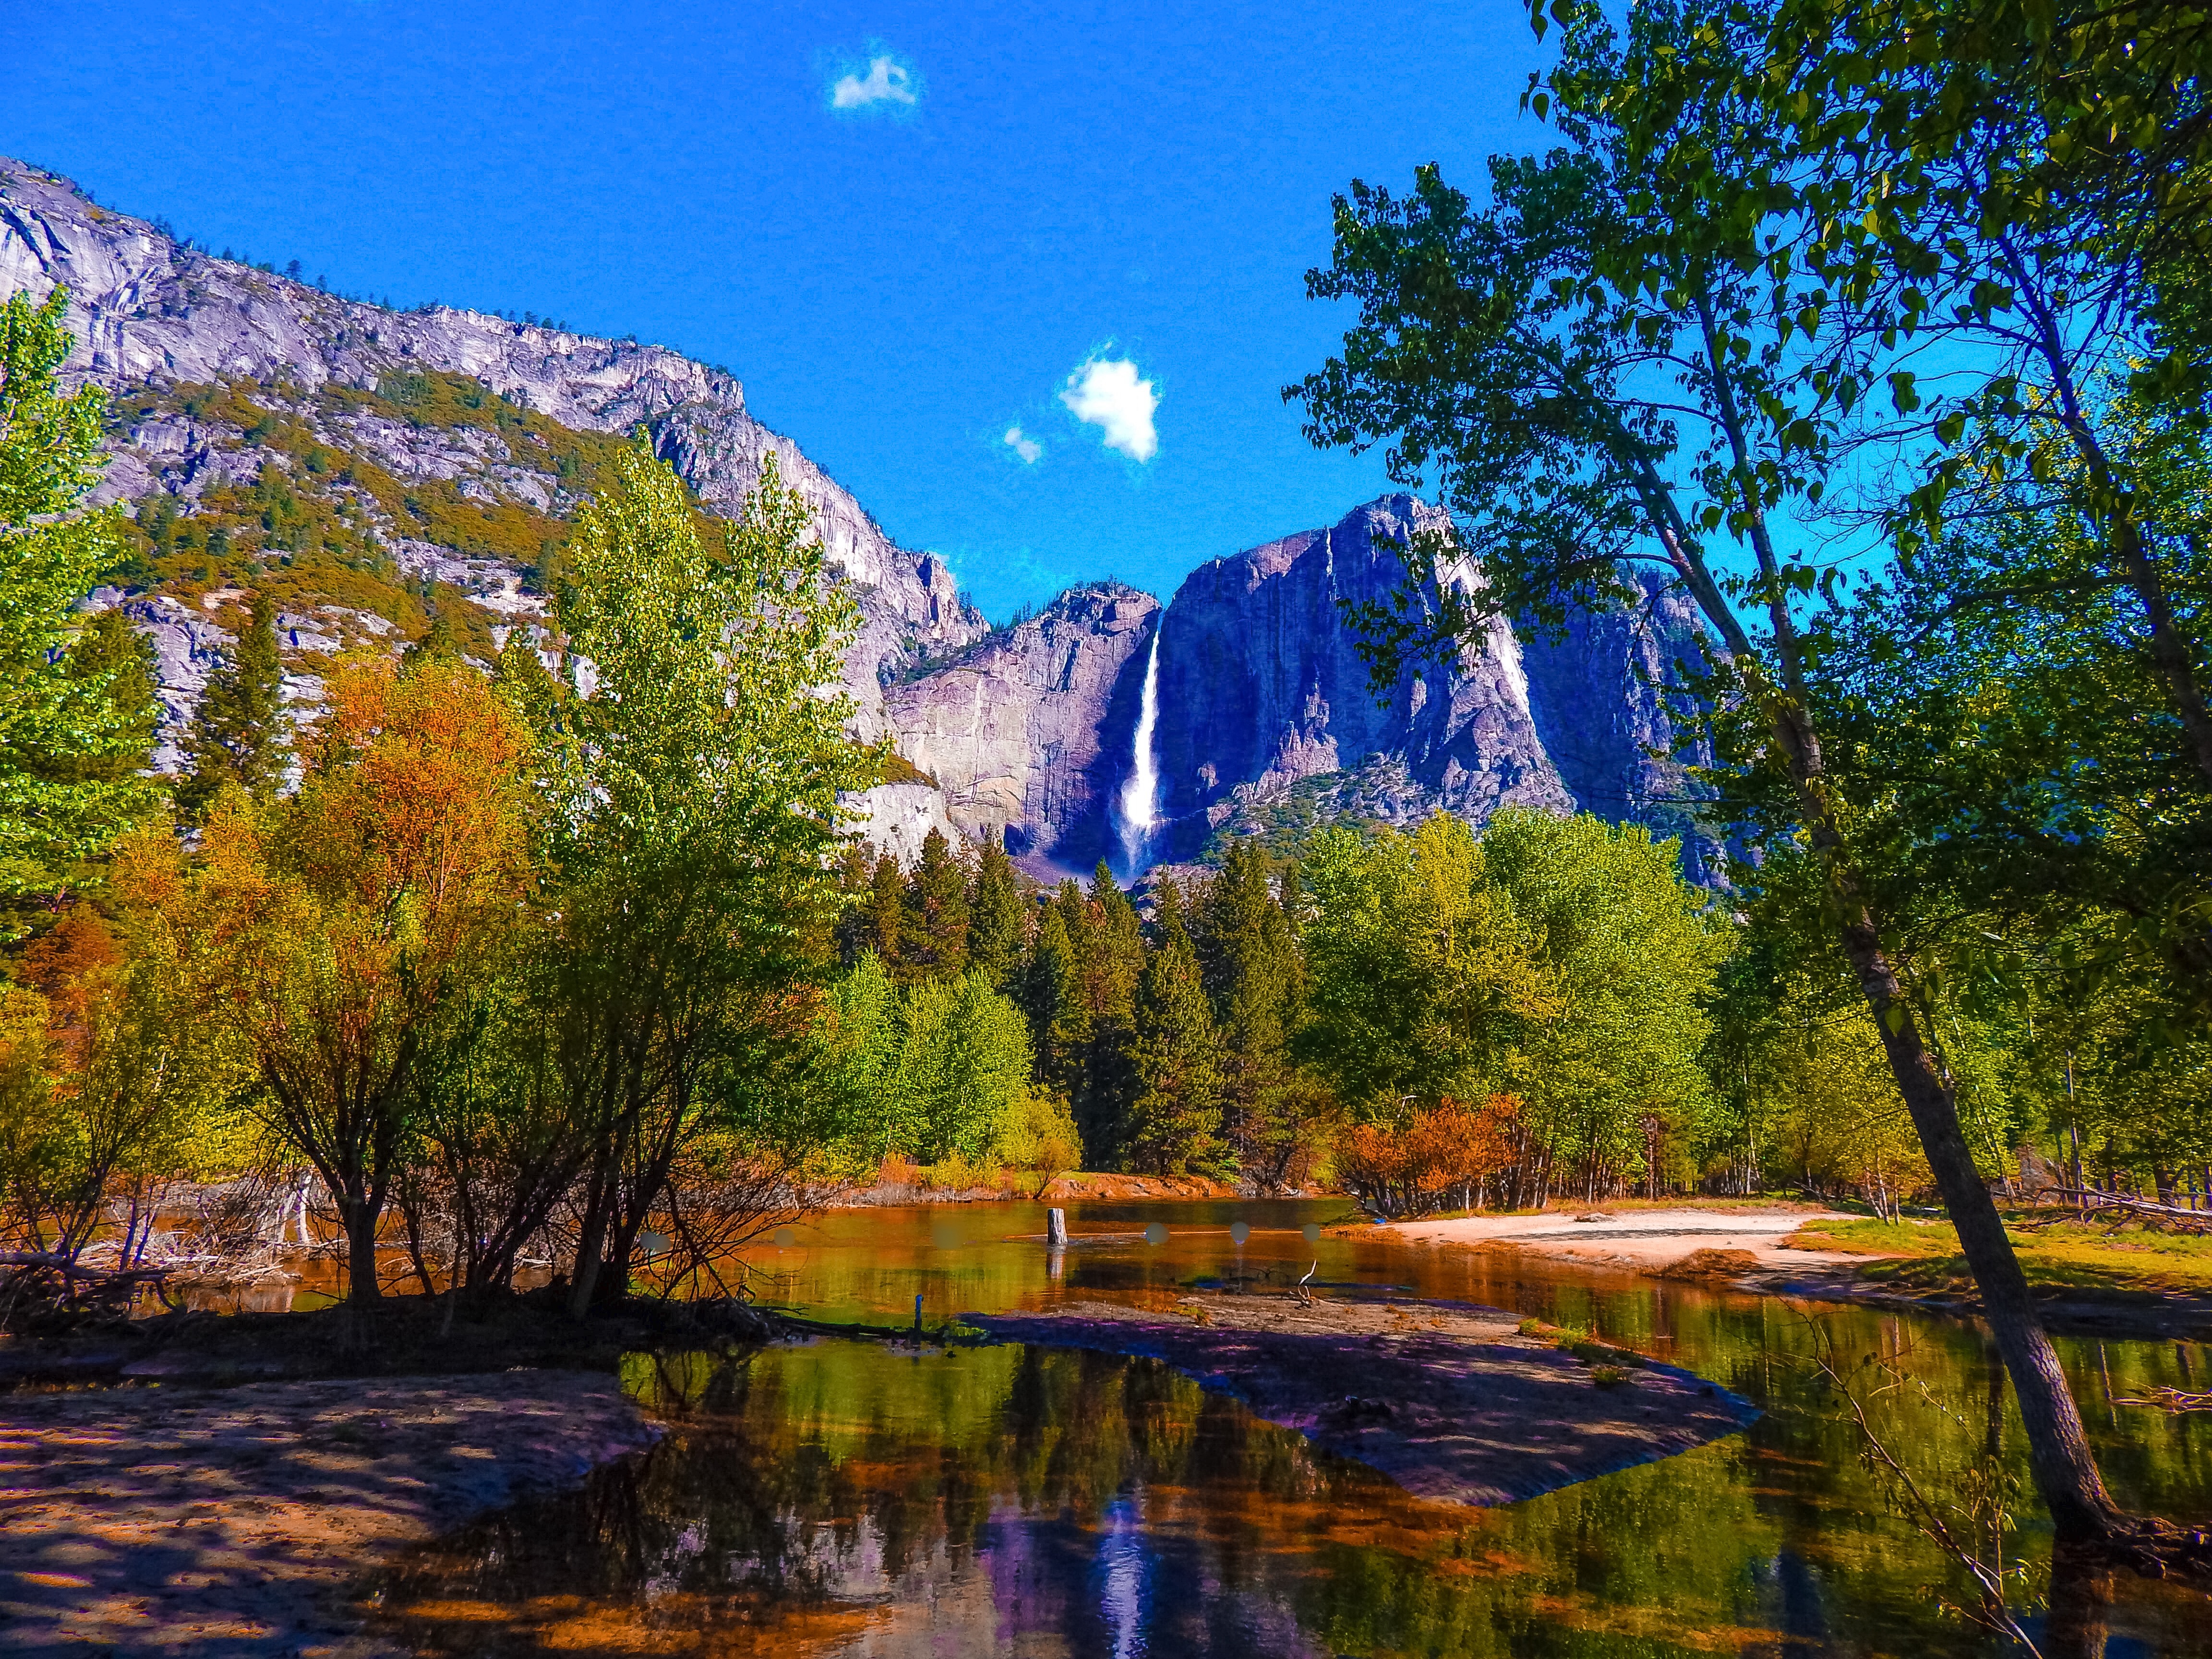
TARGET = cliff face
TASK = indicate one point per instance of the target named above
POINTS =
(1609, 705)
(363, 464)
(1266, 721)
(150, 312)
(1261, 685)
(1027, 732)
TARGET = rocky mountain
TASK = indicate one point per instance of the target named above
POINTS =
(371, 468)
(1264, 716)
(153, 315)
(1027, 732)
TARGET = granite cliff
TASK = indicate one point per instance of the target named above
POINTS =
(152, 313)
(1266, 721)
(371, 468)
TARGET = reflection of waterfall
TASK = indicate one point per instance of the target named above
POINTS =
(1139, 804)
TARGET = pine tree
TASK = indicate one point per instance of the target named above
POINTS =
(1175, 1117)
(112, 652)
(934, 937)
(437, 643)
(854, 865)
(998, 917)
(1108, 955)
(883, 913)
(1248, 956)
(238, 735)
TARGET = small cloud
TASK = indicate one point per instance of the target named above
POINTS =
(887, 81)
(1105, 392)
(1028, 448)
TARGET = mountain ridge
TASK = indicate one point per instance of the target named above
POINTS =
(374, 466)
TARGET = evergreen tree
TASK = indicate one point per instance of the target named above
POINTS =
(998, 917)
(1175, 1117)
(934, 937)
(854, 867)
(1248, 958)
(238, 735)
(883, 914)
(110, 652)
(51, 550)
(1049, 977)
(437, 643)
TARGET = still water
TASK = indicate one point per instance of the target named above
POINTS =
(857, 1499)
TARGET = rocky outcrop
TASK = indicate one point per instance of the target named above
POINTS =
(1611, 704)
(1265, 717)
(148, 310)
(1262, 683)
(1027, 731)
(1266, 721)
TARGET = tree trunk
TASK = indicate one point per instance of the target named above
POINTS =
(2065, 1468)
(363, 1287)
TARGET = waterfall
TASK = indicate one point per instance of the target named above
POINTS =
(1138, 808)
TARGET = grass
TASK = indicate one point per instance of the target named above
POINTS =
(2126, 1259)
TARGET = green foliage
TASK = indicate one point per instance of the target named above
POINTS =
(1174, 1114)
(939, 1070)
(239, 732)
(695, 775)
(1272, 1113)
(71, 734)
(1424, 983)
(1564, 961)
(933, 936)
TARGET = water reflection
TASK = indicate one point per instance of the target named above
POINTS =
(850, 1498)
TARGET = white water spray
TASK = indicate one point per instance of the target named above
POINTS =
(1139, 803)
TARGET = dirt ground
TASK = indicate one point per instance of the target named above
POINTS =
(227, 1521)
(1449, 1401)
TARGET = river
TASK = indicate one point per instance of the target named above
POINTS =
(850, 1498)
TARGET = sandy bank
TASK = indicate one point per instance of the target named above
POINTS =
(162, 1519)
(1746, 1241)
(1450, 1402)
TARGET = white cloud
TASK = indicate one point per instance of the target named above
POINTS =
(887, 79)
(1105, 392)
(1028, 448)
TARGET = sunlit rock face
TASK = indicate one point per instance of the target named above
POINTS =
(148, 310)
(1266, 709)
(1262, 683)
(1027, 732)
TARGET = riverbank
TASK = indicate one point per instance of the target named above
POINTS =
(1717, 1240)
(153, 1519)
(1019, 1187)
(2119, 1278)
(1453, 1403)
(2090, 1280)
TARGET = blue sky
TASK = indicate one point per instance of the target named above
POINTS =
(1001, 208)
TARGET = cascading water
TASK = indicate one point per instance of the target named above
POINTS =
(1139, 807)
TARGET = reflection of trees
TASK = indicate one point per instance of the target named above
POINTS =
(799, 1482)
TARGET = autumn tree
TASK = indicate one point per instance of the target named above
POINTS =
(325, 935)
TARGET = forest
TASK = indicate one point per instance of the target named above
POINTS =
(1879, 329)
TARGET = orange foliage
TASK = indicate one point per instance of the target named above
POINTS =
(74, 965)
(1447, 1150)
(411, 790)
